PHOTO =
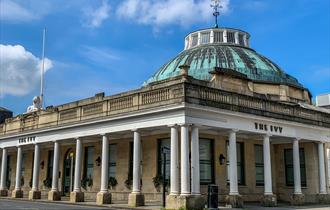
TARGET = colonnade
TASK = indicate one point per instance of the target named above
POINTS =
(184, 176)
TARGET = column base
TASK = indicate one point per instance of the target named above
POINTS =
(3, 193)
(323, 198)
(17, 194)
(54, 196)
(77, 197)
(135, 199)
(103, 198)
(234, 201)
(297, 199)
(34, 194)
(187, 202)
(269, 201)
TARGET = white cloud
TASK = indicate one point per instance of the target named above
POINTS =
(95, 17)
(158, 13)
(19, 70)
(24, 11)
(99, 55)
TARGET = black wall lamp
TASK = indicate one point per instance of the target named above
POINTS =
(222, 159)
(98, 161)
(42, 164)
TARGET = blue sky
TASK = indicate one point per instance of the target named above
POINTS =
(115, 45)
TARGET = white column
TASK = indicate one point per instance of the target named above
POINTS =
(136, 162)
(296, 167)
(233, 163)
(236, 38)
(195, 176)
(36, 162)
(55, 166)
(174, 161)
(3, 170)
(105, 164)
(185, 173)
(199, 39)
(212, 36)
(77, 170)
(18, 169)
(323, 189)
(225, 36)
(267, 166)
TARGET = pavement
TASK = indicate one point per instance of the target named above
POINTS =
(23, 204)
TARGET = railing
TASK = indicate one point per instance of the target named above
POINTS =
(248, 104)
(115, 105)
(156, 96)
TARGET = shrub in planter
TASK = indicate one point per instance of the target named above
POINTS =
(112, 182)
(86, 182)
(158, 182)
(48, 182)
(129, 183)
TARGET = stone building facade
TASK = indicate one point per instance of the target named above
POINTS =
(227, 115)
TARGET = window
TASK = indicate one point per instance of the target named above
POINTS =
(240, 39)
(164, 143)
(328, 155)
(206, 161)
(259, 161)
(194, 40)
(230, 37)
(112, 160)
(23, 165)
(130, 171)
(8, 175)
(240, 163)
(89, 162)
(218, 37)
(288, 158)
(205, 38)
(50, 164)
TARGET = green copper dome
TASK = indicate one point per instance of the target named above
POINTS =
(225, 48)
(202, 59)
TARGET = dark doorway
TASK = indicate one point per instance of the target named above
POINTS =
(68, 175)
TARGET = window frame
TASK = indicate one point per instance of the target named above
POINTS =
(302, 167)
(86, 164)
(259, 165)
(211, 161)
(112, 164)
(241, 181)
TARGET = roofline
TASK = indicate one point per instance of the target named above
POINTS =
(218, 28)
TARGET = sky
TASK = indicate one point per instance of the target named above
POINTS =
(113, 46)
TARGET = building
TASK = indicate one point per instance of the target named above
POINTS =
(323, 101)
(4, 114)
(229, 116)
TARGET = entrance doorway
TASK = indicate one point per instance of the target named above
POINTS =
(69, 164)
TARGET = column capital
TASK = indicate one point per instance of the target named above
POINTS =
(184, 124)
(233, 130)
(104, 135)
(297, 139)
(173, 125)
(136, 129)
(267, 135)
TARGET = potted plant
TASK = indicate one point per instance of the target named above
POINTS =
(158, 182)
(86, 182)
(48, 182)
(112, 182)
(129, 182)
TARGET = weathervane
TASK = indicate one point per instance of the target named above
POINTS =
(216, 7)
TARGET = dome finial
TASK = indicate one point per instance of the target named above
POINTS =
(216, 7)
